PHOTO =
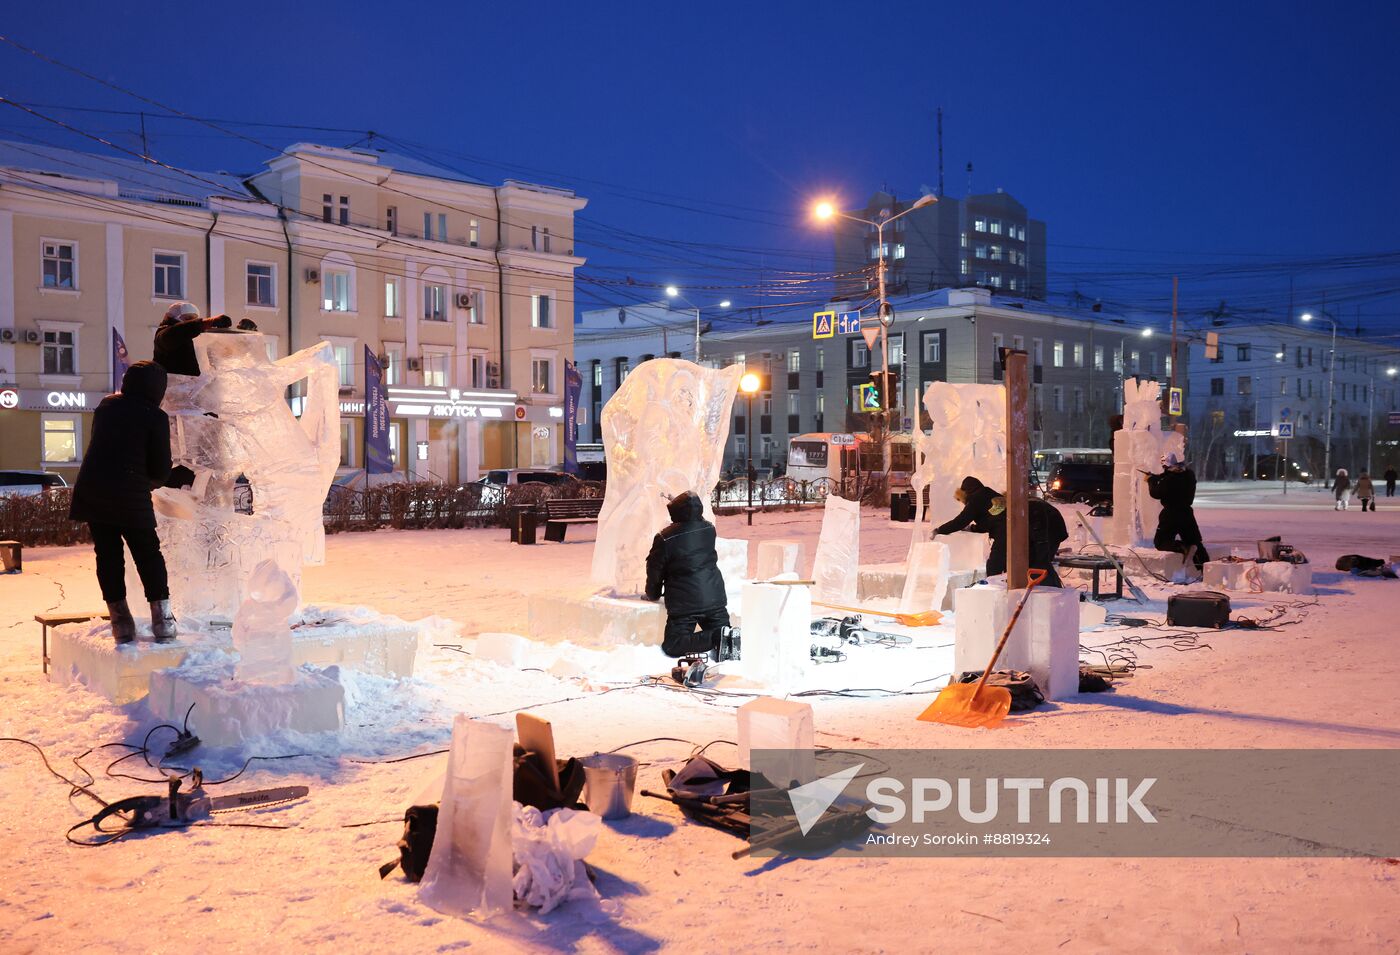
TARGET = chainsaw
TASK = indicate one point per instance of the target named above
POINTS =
(180, 809)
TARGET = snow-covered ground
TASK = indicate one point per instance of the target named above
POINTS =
(1326, 681)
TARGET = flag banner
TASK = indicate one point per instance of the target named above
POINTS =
(573, 387)
(120, 360)
(377, 459)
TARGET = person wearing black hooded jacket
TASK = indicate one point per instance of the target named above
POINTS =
(683, 568)
(173, 348)
(128, 456)
(984, 511)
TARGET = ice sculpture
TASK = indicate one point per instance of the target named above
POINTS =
(469, 871)
(926, 582)
(967, 436)
(663, 433)
(261, 634)
(1137, 451)
(836, 566)
(233, 423)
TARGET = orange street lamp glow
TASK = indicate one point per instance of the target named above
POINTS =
(749, 384)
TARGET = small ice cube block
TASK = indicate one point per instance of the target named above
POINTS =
(776, 635)
(771, 724)
(507, 649)
(777, 557)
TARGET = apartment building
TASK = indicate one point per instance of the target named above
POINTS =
(1078, 359)
(463, 289)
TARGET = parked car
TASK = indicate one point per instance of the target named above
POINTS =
(1079, 482)
(494, 482)
(19, 483)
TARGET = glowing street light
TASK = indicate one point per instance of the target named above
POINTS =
(1147, 333)
(823, 211)
(674, 292)
(749, 385)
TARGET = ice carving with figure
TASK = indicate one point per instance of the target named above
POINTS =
(233, 422)
(664, 432)
(967, 436)
(1137, 451)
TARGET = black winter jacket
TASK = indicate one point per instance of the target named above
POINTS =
(682, 563)
(173, 349)
(129, 453)
(1174, 487)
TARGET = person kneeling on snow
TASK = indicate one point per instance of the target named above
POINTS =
(684, 568)
(984, 511)
(1177, 529)
(128, 456)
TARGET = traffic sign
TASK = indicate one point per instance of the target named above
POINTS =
(1174, 401)
(848, 323)
(1284, 430)
(871, 333)
(869, 398)
(823, 324)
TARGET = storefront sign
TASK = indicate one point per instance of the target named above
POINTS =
(9, 398)
(39, 399)
(456, 403)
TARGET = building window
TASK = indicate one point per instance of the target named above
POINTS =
(60, 351)
(1038, 349)
(1137, 360)
(1057, 354)
(475, 314)
(980, 251)
(995, 253)
(540, 316)
(1241, 353)
(393, 298)
(1057, 397)
(476, 362)
(473, 233)
(1011, 282)
(1217, 386)
(1078, 404)
(964, 267)
(262, 284)
(535, 237)
(994, 226)
(794, 361)
(1098, 358)
(169, 274)
(541, 376)
(544, 240)
(344, 210)
(347, 444)
(435, 226)
(899, 250)
(393, 363)
(860, 355)
(597, 374)
(979, 225)
(435, 368)
(1167, 366)
(337, 291)
(60, 439)
(327, 206)
(60, 264)
(1078, 354)
(896, 350)
(391, 220)
(345, 363)
(962, 239)
(933, 347)
(435, 303)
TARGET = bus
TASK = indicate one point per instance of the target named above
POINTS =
(1042, 461)
(816, 455)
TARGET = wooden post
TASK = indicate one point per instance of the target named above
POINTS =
(1017, 469)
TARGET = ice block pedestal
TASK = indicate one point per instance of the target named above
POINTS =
(777, 634)
(778, 557)
(355, 638)
(967, 551)
(1044, 644)
(926, 584)
(1270, 577)
(595, 621)
(769, 724)
(880, 580)
(734, 568)
(228, 711)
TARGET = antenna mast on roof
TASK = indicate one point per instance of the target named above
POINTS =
(969, 178)
(940, 152)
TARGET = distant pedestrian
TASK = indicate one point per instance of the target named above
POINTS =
(1341, 489)
(1366, 492)
(1390, 477)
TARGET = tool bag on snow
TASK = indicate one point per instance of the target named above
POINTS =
(1025, 695)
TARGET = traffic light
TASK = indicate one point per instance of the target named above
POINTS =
(892, 401)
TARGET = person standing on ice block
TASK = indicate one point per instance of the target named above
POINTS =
(1177, 529)
(128, 456)
(984, 512)
(683, 568)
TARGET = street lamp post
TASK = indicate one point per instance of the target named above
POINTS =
(1331, 379)
(824, 211)
(1371, 414)
(749, 385)
(674, 292)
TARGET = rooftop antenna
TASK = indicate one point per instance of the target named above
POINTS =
(969, 178)
(145, 147)
(940, 152)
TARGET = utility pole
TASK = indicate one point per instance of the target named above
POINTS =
(1171, 383)
(1017, 468)
(940, 152)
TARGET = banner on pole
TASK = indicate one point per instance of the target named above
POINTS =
(377, 457)
(121, 361)
(573, 387)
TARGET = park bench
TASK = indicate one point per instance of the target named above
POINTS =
(46, 620)
(559, 514)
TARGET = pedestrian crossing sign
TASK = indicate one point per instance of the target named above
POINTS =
(869, 398)
(823, 324)
(1285, 429)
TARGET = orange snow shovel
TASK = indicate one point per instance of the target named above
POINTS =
(973, 705)
(924, 618)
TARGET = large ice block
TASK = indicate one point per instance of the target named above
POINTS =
(1138, 450)
(733, 566)
(967, 550)
(926, 582)
(779, 556)
(507, 649)
(1275, 576)
(1045, 642)
(469, 870)
(836, 566)
(261, 635)
(664, 432)
(777, 635)
(967, 436)
(233, 424)
(874, 581)
(86, 653)
(595, 620)
(768, 723)
(228, 711)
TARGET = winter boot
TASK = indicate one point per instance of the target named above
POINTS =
(123, 625)
(162, 621)
(728, 646)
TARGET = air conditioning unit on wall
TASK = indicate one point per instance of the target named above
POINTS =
(464, 300)
(313, 276)
(415, 364)
(7, 335)
(31, 336)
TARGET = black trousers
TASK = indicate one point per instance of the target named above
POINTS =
(1177, 531)
(691, 633)
(1040, 556)
(111, 567)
